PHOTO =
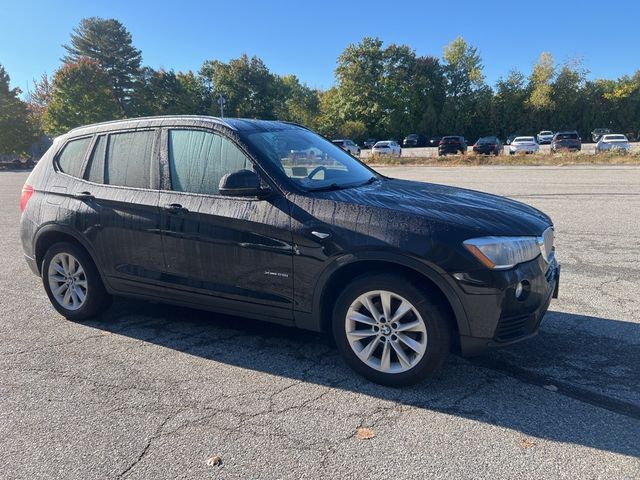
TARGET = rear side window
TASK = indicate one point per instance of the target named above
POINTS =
(72, 156)
(199, 159)
(95, 168)
(129, 157)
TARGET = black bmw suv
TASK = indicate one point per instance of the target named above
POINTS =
(217, 214)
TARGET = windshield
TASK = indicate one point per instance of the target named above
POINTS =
(309, 160)
(567, 136)
(546, 132)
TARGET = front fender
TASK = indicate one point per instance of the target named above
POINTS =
(313, 320)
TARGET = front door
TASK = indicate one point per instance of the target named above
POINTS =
(232, 248)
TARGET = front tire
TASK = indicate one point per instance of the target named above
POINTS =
(390, 331)
(72, 282)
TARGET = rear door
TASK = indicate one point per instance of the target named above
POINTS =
(229, 248)
(121, 190)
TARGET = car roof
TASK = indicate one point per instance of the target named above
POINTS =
(235, 124)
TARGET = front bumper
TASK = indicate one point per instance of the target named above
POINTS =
(496, 317)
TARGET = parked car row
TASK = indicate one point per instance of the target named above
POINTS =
(568, 140)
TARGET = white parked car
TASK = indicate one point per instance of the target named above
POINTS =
(523, 145)
(544, 137)
(387, 147)
(613, 142)
(348, 146)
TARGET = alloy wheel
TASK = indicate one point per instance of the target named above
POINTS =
(67, 281)
(386, 331)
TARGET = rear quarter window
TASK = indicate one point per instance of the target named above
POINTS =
(72, 156)
(129, 159)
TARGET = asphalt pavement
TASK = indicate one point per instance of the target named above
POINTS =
(153, 391)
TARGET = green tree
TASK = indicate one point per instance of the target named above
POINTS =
(16, 130)
(160, 92)
(540, 100)
(109, 44)
(298, 103)
(360, 79)
(464, 79)
(567, 94)
(509, 104)
(427, 95)
(249, 87)
(82, 94)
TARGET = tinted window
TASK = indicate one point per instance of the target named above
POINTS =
(198, 160)
(95, 168)
(71, 158)
(129, 159)
(567, 136)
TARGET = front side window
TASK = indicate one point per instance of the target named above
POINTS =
(198, 160)
(307, 159)
(129, 158)
(72, 156)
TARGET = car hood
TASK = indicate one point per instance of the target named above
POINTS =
(482, 213)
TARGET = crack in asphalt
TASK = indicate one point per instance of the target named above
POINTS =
(620, 407)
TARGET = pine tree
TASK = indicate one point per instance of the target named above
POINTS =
(109, 44)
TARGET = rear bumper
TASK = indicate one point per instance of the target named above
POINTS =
(33, 266)
(496, 317)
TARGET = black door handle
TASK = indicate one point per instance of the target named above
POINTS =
(175, 208)
(84, 196)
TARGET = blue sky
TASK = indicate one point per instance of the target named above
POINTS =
(305, 37)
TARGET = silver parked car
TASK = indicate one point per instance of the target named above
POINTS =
(387, 147)
(544, 137)
(523, 145)
(613, 142)
(348, 146)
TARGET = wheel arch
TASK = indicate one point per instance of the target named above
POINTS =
(51, 234)
(346, 268)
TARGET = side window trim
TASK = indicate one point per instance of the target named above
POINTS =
(93, 149)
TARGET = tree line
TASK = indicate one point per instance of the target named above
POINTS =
(380, 91)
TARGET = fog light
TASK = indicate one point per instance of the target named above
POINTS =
(519, 289)
(522, 290)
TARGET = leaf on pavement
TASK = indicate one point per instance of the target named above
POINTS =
(364, 433)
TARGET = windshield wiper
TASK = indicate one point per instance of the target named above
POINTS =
(370, 181)
(333, 186)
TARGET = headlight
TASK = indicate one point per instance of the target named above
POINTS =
(498, 253)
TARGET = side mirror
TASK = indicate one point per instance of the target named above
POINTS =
(243, 183)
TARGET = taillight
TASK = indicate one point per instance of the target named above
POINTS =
(27, 191)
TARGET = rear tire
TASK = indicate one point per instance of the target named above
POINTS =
(398, 351)
(73, 283)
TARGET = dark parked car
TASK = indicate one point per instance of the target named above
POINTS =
(414, 140)
(211, 213)
(569, 140)
(369, 143)
(488, 146)
(452, 144)
(599, 132)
